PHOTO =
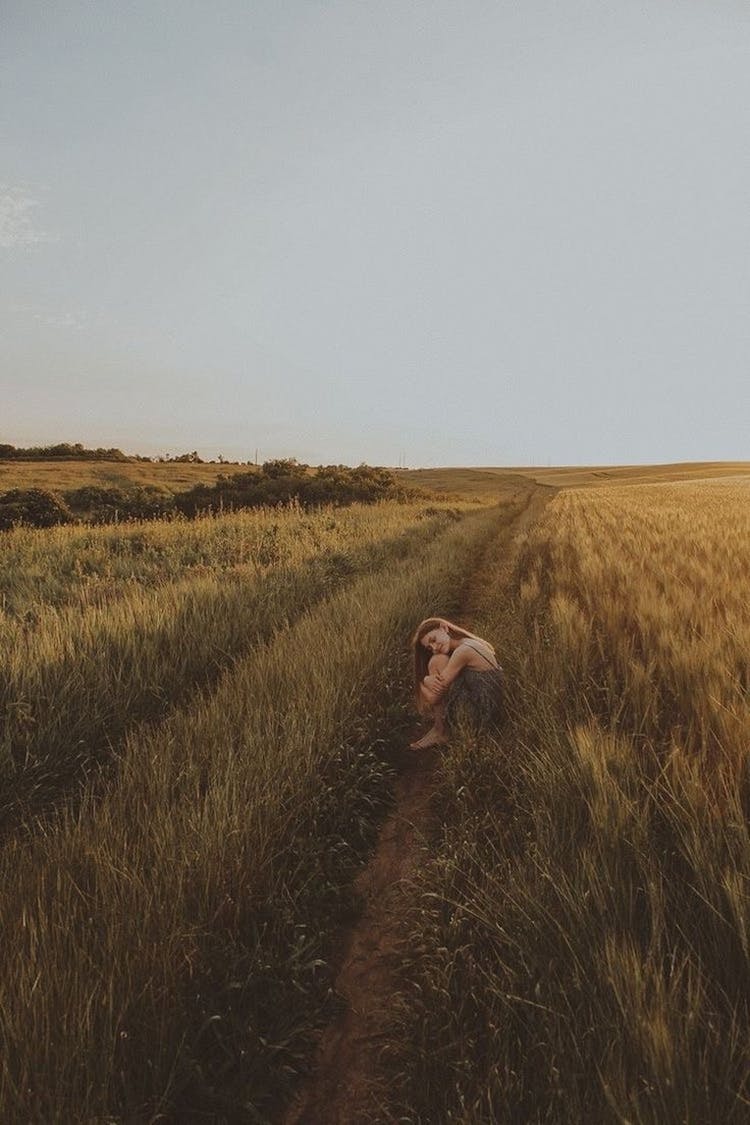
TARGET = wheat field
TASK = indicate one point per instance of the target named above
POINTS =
(645, 591)
(580, 942)
(201, 722)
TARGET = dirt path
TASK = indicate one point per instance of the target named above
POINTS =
(343, 1087)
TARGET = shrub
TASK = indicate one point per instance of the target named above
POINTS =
(283, 467)
(106, 505)
(283, 481)
(35, 507)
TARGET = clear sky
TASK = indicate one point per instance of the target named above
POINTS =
(436, 233)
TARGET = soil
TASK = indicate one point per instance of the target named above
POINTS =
(342, 1087)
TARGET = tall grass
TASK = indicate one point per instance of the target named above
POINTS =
(85, 567)
(167, 942)
(120, 626)
(642, 596)
(580, 945)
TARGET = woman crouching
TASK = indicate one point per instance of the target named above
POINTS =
(454, 672)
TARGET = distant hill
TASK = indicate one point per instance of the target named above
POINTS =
(58, 473)
(479, 481)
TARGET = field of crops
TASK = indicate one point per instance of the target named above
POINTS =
(203, 715)
(580, 950)
(201, 722)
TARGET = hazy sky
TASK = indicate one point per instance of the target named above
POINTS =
(377, 230)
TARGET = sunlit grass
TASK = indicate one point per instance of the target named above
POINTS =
(579, 947)
(82, 566)
(643, 594)
(116, 626)
(59, 476)
(166, 941)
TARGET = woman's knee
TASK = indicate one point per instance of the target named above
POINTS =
(437, 662)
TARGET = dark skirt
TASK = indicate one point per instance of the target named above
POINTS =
(475, 697)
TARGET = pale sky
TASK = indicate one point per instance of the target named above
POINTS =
(441, 233)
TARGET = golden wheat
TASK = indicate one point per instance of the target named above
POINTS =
(580, 948)
(646, 592)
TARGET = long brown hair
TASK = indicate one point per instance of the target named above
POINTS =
(422, 656)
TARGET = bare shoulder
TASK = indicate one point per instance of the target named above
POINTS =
(461, 655)
(477, 653)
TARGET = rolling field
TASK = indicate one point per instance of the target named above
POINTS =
(59, 476)
(201, 726)
(479, 483)
(486, 481)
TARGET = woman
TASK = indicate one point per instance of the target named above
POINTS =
(454, 670)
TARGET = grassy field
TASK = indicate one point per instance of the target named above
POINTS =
(200, 725)
(225, 713)
(487, 481)
(60, 476)
(104, 627)
(580, 945)
(587, 476)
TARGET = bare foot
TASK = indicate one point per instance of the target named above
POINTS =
(434, 737)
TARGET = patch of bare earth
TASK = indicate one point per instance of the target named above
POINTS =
(342, 1087)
